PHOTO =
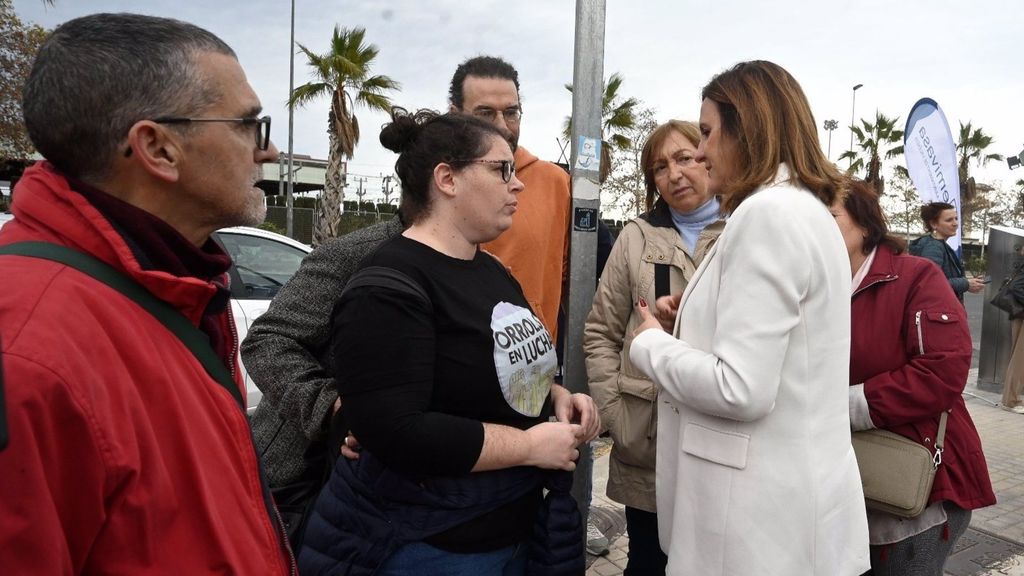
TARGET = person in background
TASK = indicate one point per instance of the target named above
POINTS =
(756, 472)
(654, 255)
(288, 356)
(910, 350)
(449, 393)
(1013, 380)
(942, 224)
(126, 455)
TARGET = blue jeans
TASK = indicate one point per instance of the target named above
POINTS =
(418, 559)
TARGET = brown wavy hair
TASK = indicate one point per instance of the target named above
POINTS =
(862, 205)
(765, 113)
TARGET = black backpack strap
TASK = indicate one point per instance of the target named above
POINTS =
(195, 340)
(386, 277)
(661, 280)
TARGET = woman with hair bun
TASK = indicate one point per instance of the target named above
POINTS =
(448, 383)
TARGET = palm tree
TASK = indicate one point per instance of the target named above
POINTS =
(343, 73)
(874, 140)
(616, 117)
(971, 146)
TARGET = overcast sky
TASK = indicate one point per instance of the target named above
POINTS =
(967, 55)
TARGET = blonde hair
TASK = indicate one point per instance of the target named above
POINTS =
(658, 137)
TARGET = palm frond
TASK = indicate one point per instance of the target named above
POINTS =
(306, 93)
(611, 90)
(380, 84)
(619, 141)
(374, 101)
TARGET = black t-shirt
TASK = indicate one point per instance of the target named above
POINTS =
(418, 379)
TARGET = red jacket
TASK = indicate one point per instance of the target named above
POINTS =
(911, 348)
(125, 457)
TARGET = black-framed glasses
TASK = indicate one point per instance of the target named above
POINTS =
(512, 114)
(508, 167)
(262, 125)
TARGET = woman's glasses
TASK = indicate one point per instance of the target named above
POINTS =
(508, 167)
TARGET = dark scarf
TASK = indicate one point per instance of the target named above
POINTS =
(158, 246)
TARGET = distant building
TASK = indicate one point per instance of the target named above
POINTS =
(309, 175)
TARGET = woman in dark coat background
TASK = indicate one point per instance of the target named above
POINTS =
(941, 222)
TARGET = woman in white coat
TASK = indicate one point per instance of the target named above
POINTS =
(756, 474)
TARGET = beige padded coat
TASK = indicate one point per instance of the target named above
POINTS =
(624, 395)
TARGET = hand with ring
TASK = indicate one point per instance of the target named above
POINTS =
(350, 447)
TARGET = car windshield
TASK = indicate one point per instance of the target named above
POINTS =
(263, 264)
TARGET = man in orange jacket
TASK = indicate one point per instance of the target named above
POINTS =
(536, 248)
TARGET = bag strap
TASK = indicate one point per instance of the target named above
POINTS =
(939, 439)
(1009, 279)
(386, 277)
(661, 280)
(195, 340)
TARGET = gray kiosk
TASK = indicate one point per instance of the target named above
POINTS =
(995, 324)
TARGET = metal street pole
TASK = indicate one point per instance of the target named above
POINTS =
(585, 162)
(984, 226)
(289, 196)
(280, 176)
(852, 109)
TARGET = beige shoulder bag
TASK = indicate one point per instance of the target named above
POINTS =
(897, 472)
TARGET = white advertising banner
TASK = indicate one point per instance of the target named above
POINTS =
(930, 152)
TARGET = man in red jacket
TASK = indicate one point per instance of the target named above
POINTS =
(125, 456)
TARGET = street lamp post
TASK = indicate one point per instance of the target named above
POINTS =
(853, 108)
(830, 125)
(289, 198)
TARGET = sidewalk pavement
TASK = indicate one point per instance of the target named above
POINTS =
(994, 545)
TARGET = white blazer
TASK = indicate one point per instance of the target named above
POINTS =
(755, 470)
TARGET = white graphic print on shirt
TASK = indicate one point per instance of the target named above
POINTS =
(524, 357)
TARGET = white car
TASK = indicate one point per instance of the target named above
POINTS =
(262, 262)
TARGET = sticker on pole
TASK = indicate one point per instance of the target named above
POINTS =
(588, 154)
(584, 219)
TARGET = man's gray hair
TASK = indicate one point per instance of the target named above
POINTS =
(96, 76)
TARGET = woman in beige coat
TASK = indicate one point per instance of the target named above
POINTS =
(654, 255)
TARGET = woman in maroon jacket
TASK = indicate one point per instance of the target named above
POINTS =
(910, 353)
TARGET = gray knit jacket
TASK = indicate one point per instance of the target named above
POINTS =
(288, 354)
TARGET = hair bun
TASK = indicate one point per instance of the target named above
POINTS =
(401, 134)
